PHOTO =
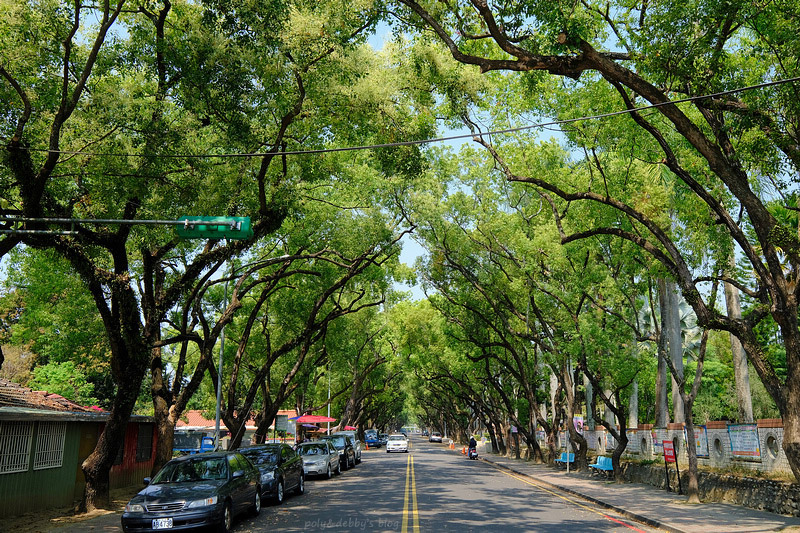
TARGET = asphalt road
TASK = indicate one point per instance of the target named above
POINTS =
(432, 489)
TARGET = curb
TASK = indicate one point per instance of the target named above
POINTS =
(624, 512)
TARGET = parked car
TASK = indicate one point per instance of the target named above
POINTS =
(357, 444)
(372, 438)
(397, 443)
(191, 442)
(435, 437)
(280, 467)
(200, 490)
(319, 458)
(346, 448)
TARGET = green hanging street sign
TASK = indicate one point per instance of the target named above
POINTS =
(186, 226)
(214, 227)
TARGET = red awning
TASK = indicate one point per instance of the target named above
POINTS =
(313, 419)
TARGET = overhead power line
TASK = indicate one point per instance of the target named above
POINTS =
(436, 139)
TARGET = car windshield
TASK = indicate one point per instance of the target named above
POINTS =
(261, 456)
(313, 449)
(195, 469)
(397, 437)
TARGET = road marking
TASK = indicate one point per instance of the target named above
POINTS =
(414, 495)
(573, 502)
(410, 498)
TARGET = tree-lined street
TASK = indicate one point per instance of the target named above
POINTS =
(617, 242)
(449, 493)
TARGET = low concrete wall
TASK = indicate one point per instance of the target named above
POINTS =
(775, 496)
(641, 444)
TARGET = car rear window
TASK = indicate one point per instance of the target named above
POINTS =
(313, 449)
(338, 441)
(261, 457)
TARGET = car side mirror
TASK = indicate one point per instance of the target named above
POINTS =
(147, 481)
(238, 473)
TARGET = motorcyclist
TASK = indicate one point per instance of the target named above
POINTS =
(473, 447)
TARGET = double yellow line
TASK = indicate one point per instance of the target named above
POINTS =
(410, 499)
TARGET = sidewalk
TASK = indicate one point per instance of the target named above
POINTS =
(650, 505)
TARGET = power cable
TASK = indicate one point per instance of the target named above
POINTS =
(436, 139)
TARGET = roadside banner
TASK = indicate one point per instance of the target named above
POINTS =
(700, 440)
(670, 457)
(633, 441)
(744, 441)
(578, 422)
(669, 451)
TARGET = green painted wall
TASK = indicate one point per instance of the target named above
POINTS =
(24, 492)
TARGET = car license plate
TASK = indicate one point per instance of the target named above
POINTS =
(162, 523)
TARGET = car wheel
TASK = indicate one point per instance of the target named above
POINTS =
(279, 492)
(255, 509)
(227, 519)
(358, 460)
(345, 465)
(329, 474)
(353, 464)
(338, 468)
(301, 487)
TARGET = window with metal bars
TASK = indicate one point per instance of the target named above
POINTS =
(144, 443)
(15, 446)
(50, 445)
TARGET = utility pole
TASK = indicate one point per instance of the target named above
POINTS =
(219, 372)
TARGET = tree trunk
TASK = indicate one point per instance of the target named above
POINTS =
(692, 487)
(622, 443)
(162, 402)
(741, 372)
(553, 394)
(493, 439)
(672, 328)
(662, 408)
(633, 406)
(580, 446)
(608, 413)
(496, 432)
(587, 386)
(97, 466)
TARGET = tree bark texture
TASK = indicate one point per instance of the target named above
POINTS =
(741, 371)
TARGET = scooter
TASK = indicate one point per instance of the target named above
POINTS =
(472, 453)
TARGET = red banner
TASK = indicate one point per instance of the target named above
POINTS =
(669, 452)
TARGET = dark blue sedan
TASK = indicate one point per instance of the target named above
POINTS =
(195, 491)
(280, 467)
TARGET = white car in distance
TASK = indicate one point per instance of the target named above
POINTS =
(397, 443)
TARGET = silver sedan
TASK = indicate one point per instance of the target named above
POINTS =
(397, 443)
(320, 458)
